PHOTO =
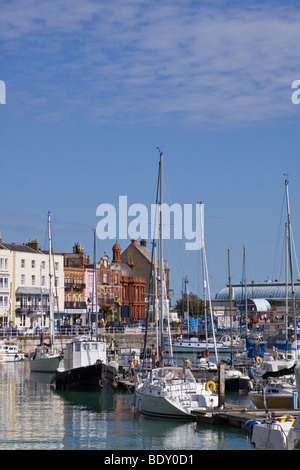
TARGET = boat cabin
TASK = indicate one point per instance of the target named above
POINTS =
(84, 353)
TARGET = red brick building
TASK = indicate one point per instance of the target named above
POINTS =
(134, 288)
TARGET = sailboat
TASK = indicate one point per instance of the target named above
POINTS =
(273, 366)
(168, 391)
(46, 358)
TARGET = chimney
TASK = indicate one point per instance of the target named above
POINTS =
(143, 242)
(131, 265)
(34, 244)
(133, 241)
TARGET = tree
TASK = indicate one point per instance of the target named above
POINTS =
(191, 303)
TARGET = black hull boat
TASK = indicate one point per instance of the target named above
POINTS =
(238, 384)
(93, 378)
(85, 367)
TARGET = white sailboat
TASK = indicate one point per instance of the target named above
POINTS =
(171, 392)
(46, 358)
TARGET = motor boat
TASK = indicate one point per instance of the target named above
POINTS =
(10, 353)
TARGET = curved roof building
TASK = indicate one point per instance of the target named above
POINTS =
(259, 290)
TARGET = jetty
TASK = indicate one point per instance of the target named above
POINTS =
(237, 415)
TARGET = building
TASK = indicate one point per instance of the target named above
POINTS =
(141, 258)
(75, 304)
(6, 277)
(109, 289)
(134, 288)
(262, 297)
(25, 270)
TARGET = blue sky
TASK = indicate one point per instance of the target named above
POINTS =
(94, 87)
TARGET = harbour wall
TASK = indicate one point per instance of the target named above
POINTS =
(114, 341)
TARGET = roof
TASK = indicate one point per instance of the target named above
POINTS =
(259, 290)
(15, 247)
(126, 270)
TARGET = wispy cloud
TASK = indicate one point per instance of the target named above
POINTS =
(208, 62)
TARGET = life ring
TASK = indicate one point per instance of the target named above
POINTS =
(287, 418)
(211, 383)
(178, 374)
(258, 360)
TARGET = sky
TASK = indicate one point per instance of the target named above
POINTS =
(95, 88)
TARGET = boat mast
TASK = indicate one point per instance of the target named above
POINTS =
(95, 283)
(51, 316)
(230, 306)
(204, 277)
(291, 270)
(161, 270)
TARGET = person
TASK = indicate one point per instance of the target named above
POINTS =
(132, 369)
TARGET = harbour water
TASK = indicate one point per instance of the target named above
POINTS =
(34, 416)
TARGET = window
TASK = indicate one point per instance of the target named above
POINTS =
(56, 266)
(33, 280)
(4, 264)
(105, 278)
(43, 264)
(22, 263)
(3, 282)
(3, 301)
(43, 281)
(22, 279)
(33, 264)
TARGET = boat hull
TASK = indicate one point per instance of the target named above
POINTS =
(159, 407)
(95, 378)
(272, 402)
(49, 364)
(237, 384)
(11, 357)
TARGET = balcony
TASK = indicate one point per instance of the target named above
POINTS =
(75, 305)
(74, 285)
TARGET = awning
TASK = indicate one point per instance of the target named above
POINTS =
(262, 305)
(31, 291)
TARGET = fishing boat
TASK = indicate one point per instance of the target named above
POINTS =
(85, 367)
(10, 353)
(46, 358)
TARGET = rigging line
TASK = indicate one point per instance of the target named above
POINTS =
(294, 250)
(279, 231)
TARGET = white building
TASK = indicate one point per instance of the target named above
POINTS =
(26, 282)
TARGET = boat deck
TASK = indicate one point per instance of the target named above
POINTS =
(236, 415)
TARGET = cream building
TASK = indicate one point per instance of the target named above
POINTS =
(6, 262)
(29, 283)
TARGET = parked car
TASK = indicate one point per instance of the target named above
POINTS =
(29, 332)
(114, 327)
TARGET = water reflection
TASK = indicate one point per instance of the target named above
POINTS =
(35, 416)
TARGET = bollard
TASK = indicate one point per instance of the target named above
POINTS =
(295, 400)
(221, 377)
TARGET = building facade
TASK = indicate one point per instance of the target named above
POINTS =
(29, 283)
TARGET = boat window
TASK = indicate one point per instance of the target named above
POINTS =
(77, 347)
(94, 346)
(85, 346)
